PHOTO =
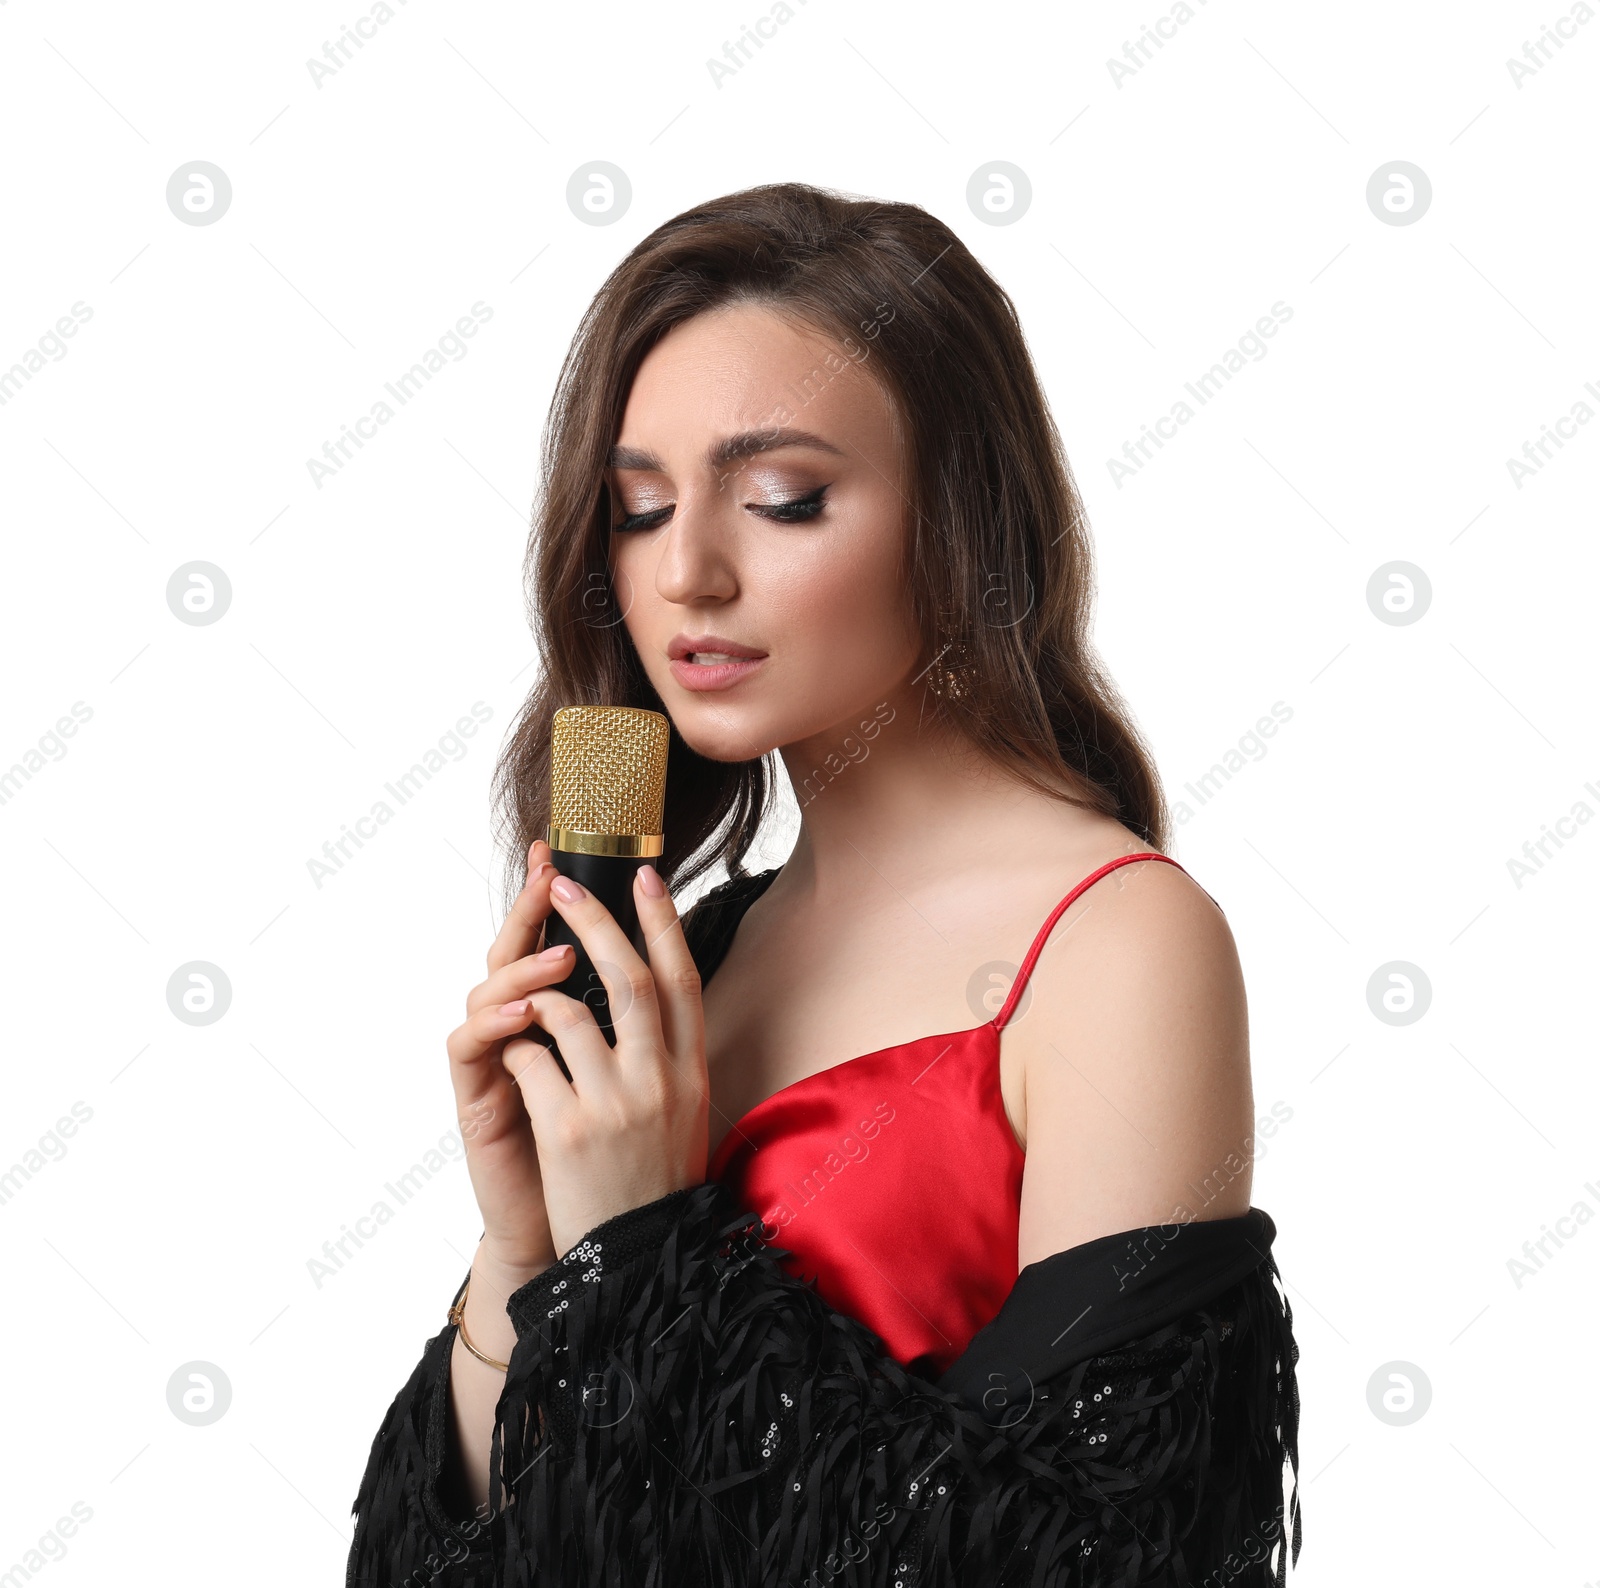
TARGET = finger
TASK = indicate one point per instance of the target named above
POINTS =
(672, 967)
(571, 1022)
(522, 976)
(545, 1095)
(472, 1048)
(519, 935)
(630, 988)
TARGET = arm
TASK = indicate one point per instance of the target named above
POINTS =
(412, 1525)
(423, 1506)
(1136, 1066)
(425, 1513)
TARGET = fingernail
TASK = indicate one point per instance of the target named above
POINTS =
(566, 890)
(650, 881)
(552, 953)
(519, 1007)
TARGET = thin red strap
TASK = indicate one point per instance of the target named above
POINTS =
(1055, 915)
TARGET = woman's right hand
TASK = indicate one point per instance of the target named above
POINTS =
(502, 1160)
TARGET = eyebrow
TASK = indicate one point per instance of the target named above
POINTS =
(731, 449)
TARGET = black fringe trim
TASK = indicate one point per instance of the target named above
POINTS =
(407, 1533)
(679, 1410)
(691, 1413)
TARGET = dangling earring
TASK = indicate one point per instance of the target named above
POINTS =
(948, 673)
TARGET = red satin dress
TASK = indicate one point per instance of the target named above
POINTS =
(895, 1179)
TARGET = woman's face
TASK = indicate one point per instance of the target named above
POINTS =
(757, 477)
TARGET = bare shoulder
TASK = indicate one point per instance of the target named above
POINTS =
(1136, 1063)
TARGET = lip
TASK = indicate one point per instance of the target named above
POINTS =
(682, 645)
(703, 677)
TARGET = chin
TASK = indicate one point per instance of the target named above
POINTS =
(720, 732)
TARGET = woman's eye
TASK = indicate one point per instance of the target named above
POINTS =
(796, 511)
(793, 512)
(641, 520)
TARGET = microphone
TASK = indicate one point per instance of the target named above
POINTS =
(608, 788)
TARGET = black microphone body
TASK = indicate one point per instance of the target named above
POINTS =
(610, 879)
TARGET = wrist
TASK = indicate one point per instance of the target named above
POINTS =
(501, 1274)
(483, 1317)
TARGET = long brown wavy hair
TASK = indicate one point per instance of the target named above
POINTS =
(997, 558)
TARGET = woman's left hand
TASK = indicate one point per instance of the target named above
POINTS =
(631, 1126)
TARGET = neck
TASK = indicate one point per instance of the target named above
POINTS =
(889, 795)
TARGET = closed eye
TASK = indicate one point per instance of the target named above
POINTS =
(642, 520)
(799, 510)
(792, 512)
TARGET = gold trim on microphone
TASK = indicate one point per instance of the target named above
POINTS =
(631, 845)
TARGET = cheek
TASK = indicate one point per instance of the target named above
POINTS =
(633, 589)
(843, 603)
(838, 611)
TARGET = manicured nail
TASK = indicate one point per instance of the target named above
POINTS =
(566, 890)
(552, 953)
(519, 1007)
(650, 881)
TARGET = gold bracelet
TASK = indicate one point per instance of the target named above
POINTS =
(458, 1315)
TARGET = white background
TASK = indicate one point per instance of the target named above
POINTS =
(1168, 214)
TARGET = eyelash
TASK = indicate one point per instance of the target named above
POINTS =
(799, 510)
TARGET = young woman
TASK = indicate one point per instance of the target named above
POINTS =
(905, 1234)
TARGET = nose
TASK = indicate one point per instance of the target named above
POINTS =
(697, 562)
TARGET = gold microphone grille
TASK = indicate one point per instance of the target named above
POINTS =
(608, 770)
